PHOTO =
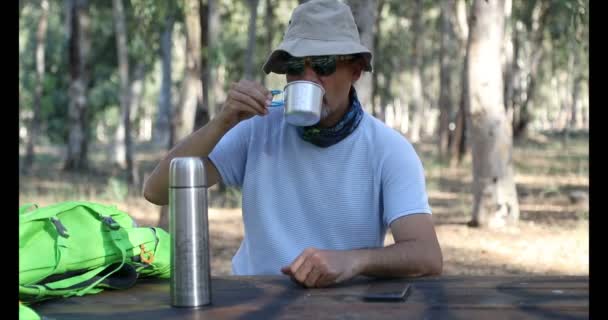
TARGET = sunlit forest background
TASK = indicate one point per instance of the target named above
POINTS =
(107, 87)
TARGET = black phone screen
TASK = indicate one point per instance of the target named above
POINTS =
(387, 291)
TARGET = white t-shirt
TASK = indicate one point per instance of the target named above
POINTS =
(297, 195)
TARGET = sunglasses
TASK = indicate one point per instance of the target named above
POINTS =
(322, 65)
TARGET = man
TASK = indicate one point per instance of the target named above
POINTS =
(318, 200)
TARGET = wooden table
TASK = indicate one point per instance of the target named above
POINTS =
(277, 297)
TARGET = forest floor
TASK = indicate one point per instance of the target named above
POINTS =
(552, 176)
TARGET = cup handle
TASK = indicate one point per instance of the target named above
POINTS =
(278, 103)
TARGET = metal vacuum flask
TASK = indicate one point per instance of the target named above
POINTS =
(189, 228)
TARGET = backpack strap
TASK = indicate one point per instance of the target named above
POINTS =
(117, 234)
(26, 206)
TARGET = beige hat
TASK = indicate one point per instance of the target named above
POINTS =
(316, 28)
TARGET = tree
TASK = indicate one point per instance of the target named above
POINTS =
(416, 58)
(202, 110)
(364, 12)
(269, 18)
(535, 22)
(458, 139)
(378, 110)
(162, 129)
(79, 48)
(445, 76)
(191, 96)
(213, 85)
(40, 51)
(495, 198)
(253, 15)
(124, 150)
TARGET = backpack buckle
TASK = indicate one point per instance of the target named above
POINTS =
(111, 223)
(60, 227)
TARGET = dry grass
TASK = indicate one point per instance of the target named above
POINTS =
(552, 237)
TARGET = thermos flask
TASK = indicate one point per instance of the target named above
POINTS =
(189, 228)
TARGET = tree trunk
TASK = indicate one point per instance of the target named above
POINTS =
(184, 117)
(495, 198)
(445, 77)
(378, 108)
(537, 26)
(577, 79)
(253, 16)
(209, 31)
(124, 151)
(191, 91)
(458, 139)
(202, 110)
(213, 85)
(364, 12)
(508, 54)
(270, 28)
(40, 50)
(79, 47)
(139, 112)
(416, 56)
(162, 128)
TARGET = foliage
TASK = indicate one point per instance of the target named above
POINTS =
(565, 35)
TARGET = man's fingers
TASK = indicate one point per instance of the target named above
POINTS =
(295, 265)
(325, 280)
(313, 276)
(255, 91)
(286, 270)
(302, 272)
(254, 106)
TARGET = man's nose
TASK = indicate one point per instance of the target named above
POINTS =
(309, 74)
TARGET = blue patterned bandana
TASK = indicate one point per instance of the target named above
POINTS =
(325, 137)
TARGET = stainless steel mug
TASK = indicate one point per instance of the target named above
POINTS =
(303, 101)
(189, 228)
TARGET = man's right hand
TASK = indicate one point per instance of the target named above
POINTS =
(245, 99)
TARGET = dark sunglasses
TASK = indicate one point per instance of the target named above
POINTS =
(322, 65)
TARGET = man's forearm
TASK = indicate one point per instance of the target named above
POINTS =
(199, 144)
(405, 258)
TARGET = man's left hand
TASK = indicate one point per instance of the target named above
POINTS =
(315, 268)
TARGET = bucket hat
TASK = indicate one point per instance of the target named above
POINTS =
(317, 28)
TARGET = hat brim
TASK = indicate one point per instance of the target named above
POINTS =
(301, 47)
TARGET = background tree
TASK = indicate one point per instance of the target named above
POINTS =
(79, 47)
(364, 12)
(40, 52)
(495, 198)
(191, 96)
(124, 149)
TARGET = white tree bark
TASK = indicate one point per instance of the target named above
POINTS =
(40, 49)
(495, 198)
(365, 14)
(445, 76)
(191, 91)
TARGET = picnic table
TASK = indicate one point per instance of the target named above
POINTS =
(277, 297)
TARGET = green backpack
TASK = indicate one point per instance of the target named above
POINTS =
(76, 248)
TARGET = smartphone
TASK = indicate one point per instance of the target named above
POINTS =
(387, 291)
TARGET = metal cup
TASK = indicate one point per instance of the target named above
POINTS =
(303, 101)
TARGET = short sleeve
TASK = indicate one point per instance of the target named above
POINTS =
(403, 183)
(230, 154)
